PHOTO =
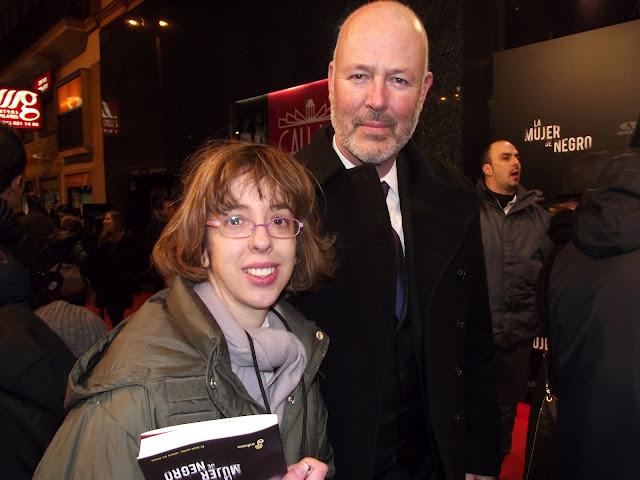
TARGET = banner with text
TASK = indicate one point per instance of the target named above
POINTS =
(296, 114)
(559, 99)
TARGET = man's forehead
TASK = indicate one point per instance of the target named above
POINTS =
(503, 149)
(381, 20)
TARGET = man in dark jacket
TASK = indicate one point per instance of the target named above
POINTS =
(34, 362)
(409, 378)
(514, 230)
(14, 276)
(595, 330)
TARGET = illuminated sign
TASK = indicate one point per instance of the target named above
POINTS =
(20, 108)
(110, 120)
(43, 83)
(70, 95)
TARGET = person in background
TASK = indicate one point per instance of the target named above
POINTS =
(14, 242)
(38, 226)
(161, 214)
(115, 267)
(77, 326)
(514, 238)
(410, 384)
(67, 248)
(580, 175)
(34, 362)
(245, 232)
(593, 295)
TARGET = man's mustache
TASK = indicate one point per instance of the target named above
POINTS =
(377, 117)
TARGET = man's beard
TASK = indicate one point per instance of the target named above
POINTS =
(400, 135)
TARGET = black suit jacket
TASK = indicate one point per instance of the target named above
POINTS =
(447, 308)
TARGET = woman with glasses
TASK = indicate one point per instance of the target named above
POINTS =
(220, 341)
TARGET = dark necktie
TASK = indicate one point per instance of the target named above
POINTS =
(401, 270)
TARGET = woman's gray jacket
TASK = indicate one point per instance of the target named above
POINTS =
(168, 365)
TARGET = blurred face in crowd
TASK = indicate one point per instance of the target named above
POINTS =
(378, 81)
(166, 212)
(110, 224)
(249, 274)
(502, 173)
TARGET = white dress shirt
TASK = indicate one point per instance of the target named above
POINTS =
(393, 197)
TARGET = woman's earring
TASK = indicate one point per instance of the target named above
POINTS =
(204, 260)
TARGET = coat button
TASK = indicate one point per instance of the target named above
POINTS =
(291, 399)
(461, 273)
(319, 335)
(460, 322)
(212, 382)
(457, 418)
(458, 371)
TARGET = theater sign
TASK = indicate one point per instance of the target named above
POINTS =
(20, 108)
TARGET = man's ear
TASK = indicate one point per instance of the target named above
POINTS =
(426, 85)
(331, 72)
(487, 169)
(18, 182)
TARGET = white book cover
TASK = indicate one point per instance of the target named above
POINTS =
(247, 447)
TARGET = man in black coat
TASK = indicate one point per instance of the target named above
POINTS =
(34, 362)
(409, 377)
(594, 307)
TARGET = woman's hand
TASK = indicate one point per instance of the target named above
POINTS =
(308, 468)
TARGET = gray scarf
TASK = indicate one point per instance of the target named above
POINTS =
(278, 352)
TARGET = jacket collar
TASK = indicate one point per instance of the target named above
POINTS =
(524, 197)
(319, 156)
(191, 318)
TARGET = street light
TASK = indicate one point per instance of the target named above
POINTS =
(135, 22)
(163, 23)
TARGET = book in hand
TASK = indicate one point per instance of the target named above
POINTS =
(246, 448)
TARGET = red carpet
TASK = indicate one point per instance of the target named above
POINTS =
(513, 465)
(138, 300)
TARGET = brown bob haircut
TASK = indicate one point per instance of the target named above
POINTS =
(207, 181)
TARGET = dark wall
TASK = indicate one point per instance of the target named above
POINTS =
(174, 86)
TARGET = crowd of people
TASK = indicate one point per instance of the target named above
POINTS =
(366, 294)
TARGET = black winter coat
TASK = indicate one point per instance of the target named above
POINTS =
(594, 306)
(34, 364)
(447, 308)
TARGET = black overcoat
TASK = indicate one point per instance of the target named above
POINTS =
(447, 308)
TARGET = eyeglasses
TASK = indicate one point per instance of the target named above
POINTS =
(237, 226)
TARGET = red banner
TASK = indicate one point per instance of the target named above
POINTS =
(20, 108)
(295, 114)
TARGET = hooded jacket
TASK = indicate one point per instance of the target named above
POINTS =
(514, 249)
(594, 306)
(168, 365)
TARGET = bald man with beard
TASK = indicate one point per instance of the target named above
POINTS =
(409, 378)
